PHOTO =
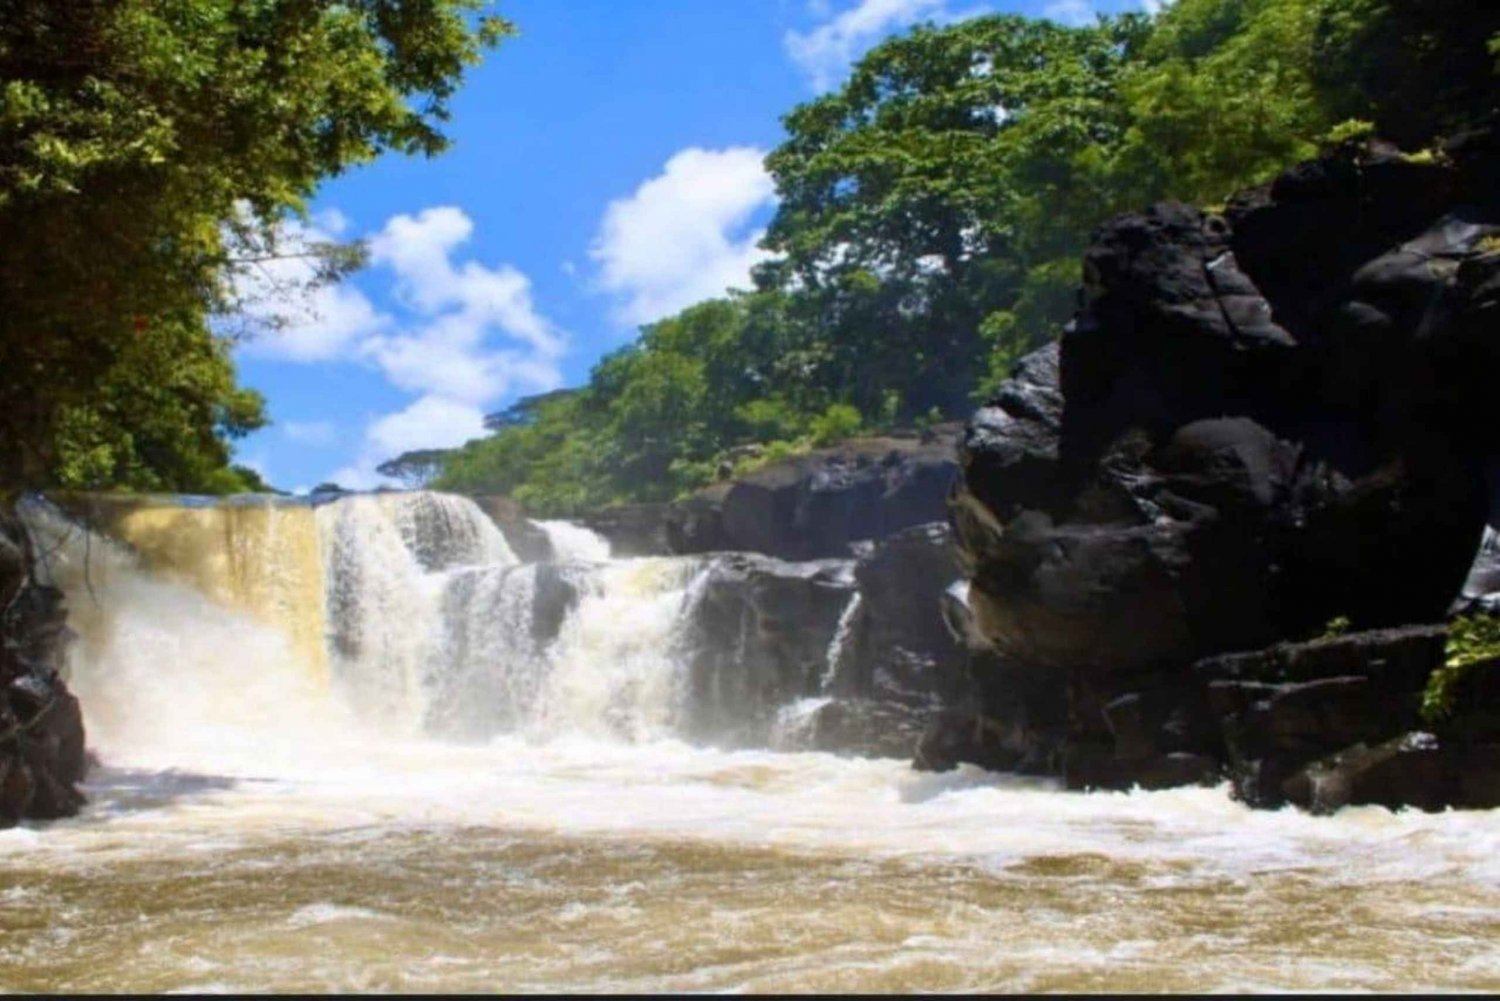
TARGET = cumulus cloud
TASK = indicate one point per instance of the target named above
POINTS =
(291, 322)
(460, 335)
(1154, 7)
(683, 235)
(430, 422)
(1074, 12)
(825, 52)
(451, 353)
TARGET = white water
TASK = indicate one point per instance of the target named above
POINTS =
(840, 648)
(313, 835)
(575, 544)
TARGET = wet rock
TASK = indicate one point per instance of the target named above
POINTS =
(1415, 769)
(1296, 703)
(964, 736)
(902, 649)
(526, 539)
(804, 507)
(864, 727)
(635, 529)
(1257, 422)
(42, 754)
(761, 631)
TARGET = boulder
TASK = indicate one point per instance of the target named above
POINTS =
(900, 647)
(42, 754)
(1414, 769)
(761, 631)
(871, 728)
(804, 507)
(1258, 422)
(851, 656)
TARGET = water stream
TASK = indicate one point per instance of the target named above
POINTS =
(359, 746)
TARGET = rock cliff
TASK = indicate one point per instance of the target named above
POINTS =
(42, 757)
(1259, 422)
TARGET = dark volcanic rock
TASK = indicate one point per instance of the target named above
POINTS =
(1287, 706)
(866, 727)
(42, 757)
(802, 508)
(634, 529)
(1415, 769)
(901, 648)
(1257, 422)
(815, 505)
(867, 638)
(762, 628)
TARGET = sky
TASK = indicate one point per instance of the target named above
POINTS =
(605, 172)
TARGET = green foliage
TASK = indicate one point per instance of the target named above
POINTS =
(414, 468)
(1414, 69)
(933, 210)
(1349, 130)
(838, 422)
(931, 191)
(149, 150)
(1339, 625)
(1471, 639)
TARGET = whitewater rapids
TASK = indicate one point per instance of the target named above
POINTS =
(436, 801)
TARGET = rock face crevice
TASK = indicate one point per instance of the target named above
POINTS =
(42, 756)
(1258, 422)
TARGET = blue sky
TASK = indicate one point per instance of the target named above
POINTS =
(605, 173)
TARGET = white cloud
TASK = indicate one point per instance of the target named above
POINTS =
(430, 422)
(680, 237)
(1154, 7)
(309, 432)
(1075, 12)
(825, 52)
(296, 325)
(461, 335)
(451, 351)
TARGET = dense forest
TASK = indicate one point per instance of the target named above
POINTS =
(150, 151)
(931, 215)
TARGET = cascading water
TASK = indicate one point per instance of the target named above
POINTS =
(574, 544)
(388, 560)
(793, 727)
(428, 623)
(275, 814)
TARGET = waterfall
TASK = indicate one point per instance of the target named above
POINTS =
(407, 612)
(616, 668)
(171, 673)
(841, 647)
(573, 543)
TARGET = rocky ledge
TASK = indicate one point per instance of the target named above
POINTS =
(1260, 422)
(805, 507)
(42, 757)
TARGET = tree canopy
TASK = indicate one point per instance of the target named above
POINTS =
(933, 209)
(149, 150)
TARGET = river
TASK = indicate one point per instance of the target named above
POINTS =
(333, 758)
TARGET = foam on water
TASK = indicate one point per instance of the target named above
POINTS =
(573, 543)
(463, 779)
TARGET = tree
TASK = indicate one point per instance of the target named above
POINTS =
(415, 468)
(1413, 69)
(149, 150)
(927, 192)
(934, 208)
